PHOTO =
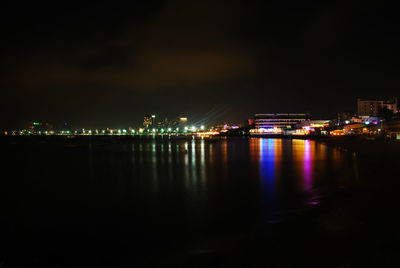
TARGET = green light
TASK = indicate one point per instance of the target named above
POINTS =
(35, 123)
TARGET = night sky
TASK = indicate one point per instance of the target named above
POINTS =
(109, 64)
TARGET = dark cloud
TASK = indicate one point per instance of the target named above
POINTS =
(180, 45)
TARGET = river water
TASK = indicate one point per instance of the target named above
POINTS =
(115, 202)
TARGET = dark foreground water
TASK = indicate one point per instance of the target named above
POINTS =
(140, 201)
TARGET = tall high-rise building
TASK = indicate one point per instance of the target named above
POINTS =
(373, 107)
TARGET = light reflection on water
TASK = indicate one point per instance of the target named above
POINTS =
(251, 177)
(268, 161)
(149, 193)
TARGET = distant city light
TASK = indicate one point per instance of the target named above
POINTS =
(202, 127)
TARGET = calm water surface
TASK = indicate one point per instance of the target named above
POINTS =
(154, 196)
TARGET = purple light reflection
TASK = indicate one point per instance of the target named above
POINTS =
(307, 166)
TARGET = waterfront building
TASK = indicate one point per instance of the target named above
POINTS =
(374, 107)
(282, 121)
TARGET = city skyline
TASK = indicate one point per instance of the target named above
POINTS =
(363, 108)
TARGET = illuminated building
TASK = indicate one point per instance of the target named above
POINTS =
(337, 132)
(278, 121)
(310, 127)
(37, 127)
(164, 123)
(373, 107)
(262, 131)
(149, 121)
(353, 128)
(180, 123)
(314, 123)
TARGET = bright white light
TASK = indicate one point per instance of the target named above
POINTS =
(153, 116)
(169, 129)
(154, 130)
(186, 128)
(347, 122)
(202, 127)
